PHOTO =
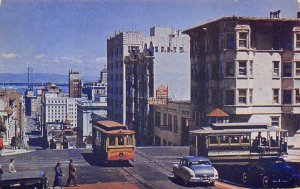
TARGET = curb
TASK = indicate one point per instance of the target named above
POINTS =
(16, 152)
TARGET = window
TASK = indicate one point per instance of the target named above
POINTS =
(243, 39)
(181, 49)
(275, 96)
(250, 96)
(222, 41)
(164, 142)
(242, 96)
(297, 93)
(170, 122)
(297, 41)
(214, 96)
(112, 140)
(120, 140)
(251, 68)
(242, 68)
(175, 124)
(230, 97)
(162, 49)
(230, 42)
(298, 69)
(174, 49)
(275, 121)
(276, 68)
(287, 69)
(129, 49)
(168, 49)
(287, 97)
(164, 119)
(230, 69)
(157, 119)
(156, 48)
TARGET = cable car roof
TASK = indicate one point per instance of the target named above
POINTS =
(209, 130)
(110, 124)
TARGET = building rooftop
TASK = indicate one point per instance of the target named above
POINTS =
(217, 113)
(237, 18)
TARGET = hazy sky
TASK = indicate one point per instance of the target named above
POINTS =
(54, 35)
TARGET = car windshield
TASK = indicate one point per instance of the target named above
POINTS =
(199, 163)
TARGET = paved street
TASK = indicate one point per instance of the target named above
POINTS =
(151, 168)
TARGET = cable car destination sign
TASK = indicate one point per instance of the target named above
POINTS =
(161, 96)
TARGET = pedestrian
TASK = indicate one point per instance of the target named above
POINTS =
(72, 174)
(11, 167)
(58, 180)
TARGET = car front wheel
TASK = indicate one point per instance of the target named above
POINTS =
(265, 181)
(245, 178)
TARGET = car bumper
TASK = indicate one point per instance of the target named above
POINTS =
(203, 179)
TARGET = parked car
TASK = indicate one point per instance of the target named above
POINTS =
(24, 179)
(195, 169)
(270, 170)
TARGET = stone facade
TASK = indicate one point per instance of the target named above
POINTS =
(249, 67)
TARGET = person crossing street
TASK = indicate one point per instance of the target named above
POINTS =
(72, 174)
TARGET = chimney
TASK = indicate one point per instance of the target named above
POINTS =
(298, 15)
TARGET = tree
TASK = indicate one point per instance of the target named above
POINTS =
(2, 126)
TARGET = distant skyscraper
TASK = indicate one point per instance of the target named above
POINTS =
(74, 84)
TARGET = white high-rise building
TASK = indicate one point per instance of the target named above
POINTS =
(58, 107)
(118, 47)
(171, 67)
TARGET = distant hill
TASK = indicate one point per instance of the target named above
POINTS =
(39, 77)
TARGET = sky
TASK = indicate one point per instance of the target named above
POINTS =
(53, 36)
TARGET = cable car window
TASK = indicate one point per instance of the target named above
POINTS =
(120, 140)
(235, 139)
(245, 139)
(129, 140)
(112, 140)
(213, 140)
(224, 139)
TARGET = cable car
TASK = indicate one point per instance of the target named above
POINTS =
(113, 141)
(226, 141)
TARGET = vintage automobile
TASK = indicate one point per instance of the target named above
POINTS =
(270, 170)
(195, 169)
(24, 179)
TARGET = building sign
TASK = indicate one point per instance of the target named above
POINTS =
(162, 92)
(161, 96)
(155, 101)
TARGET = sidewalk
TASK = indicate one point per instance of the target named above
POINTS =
(7, 152)
(108, 185)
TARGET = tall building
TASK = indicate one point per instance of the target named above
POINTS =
(74, 84)
(249, 68)
(142, 66)
(57, 107)
(96, 91)
(118, 47)
(30, 103)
